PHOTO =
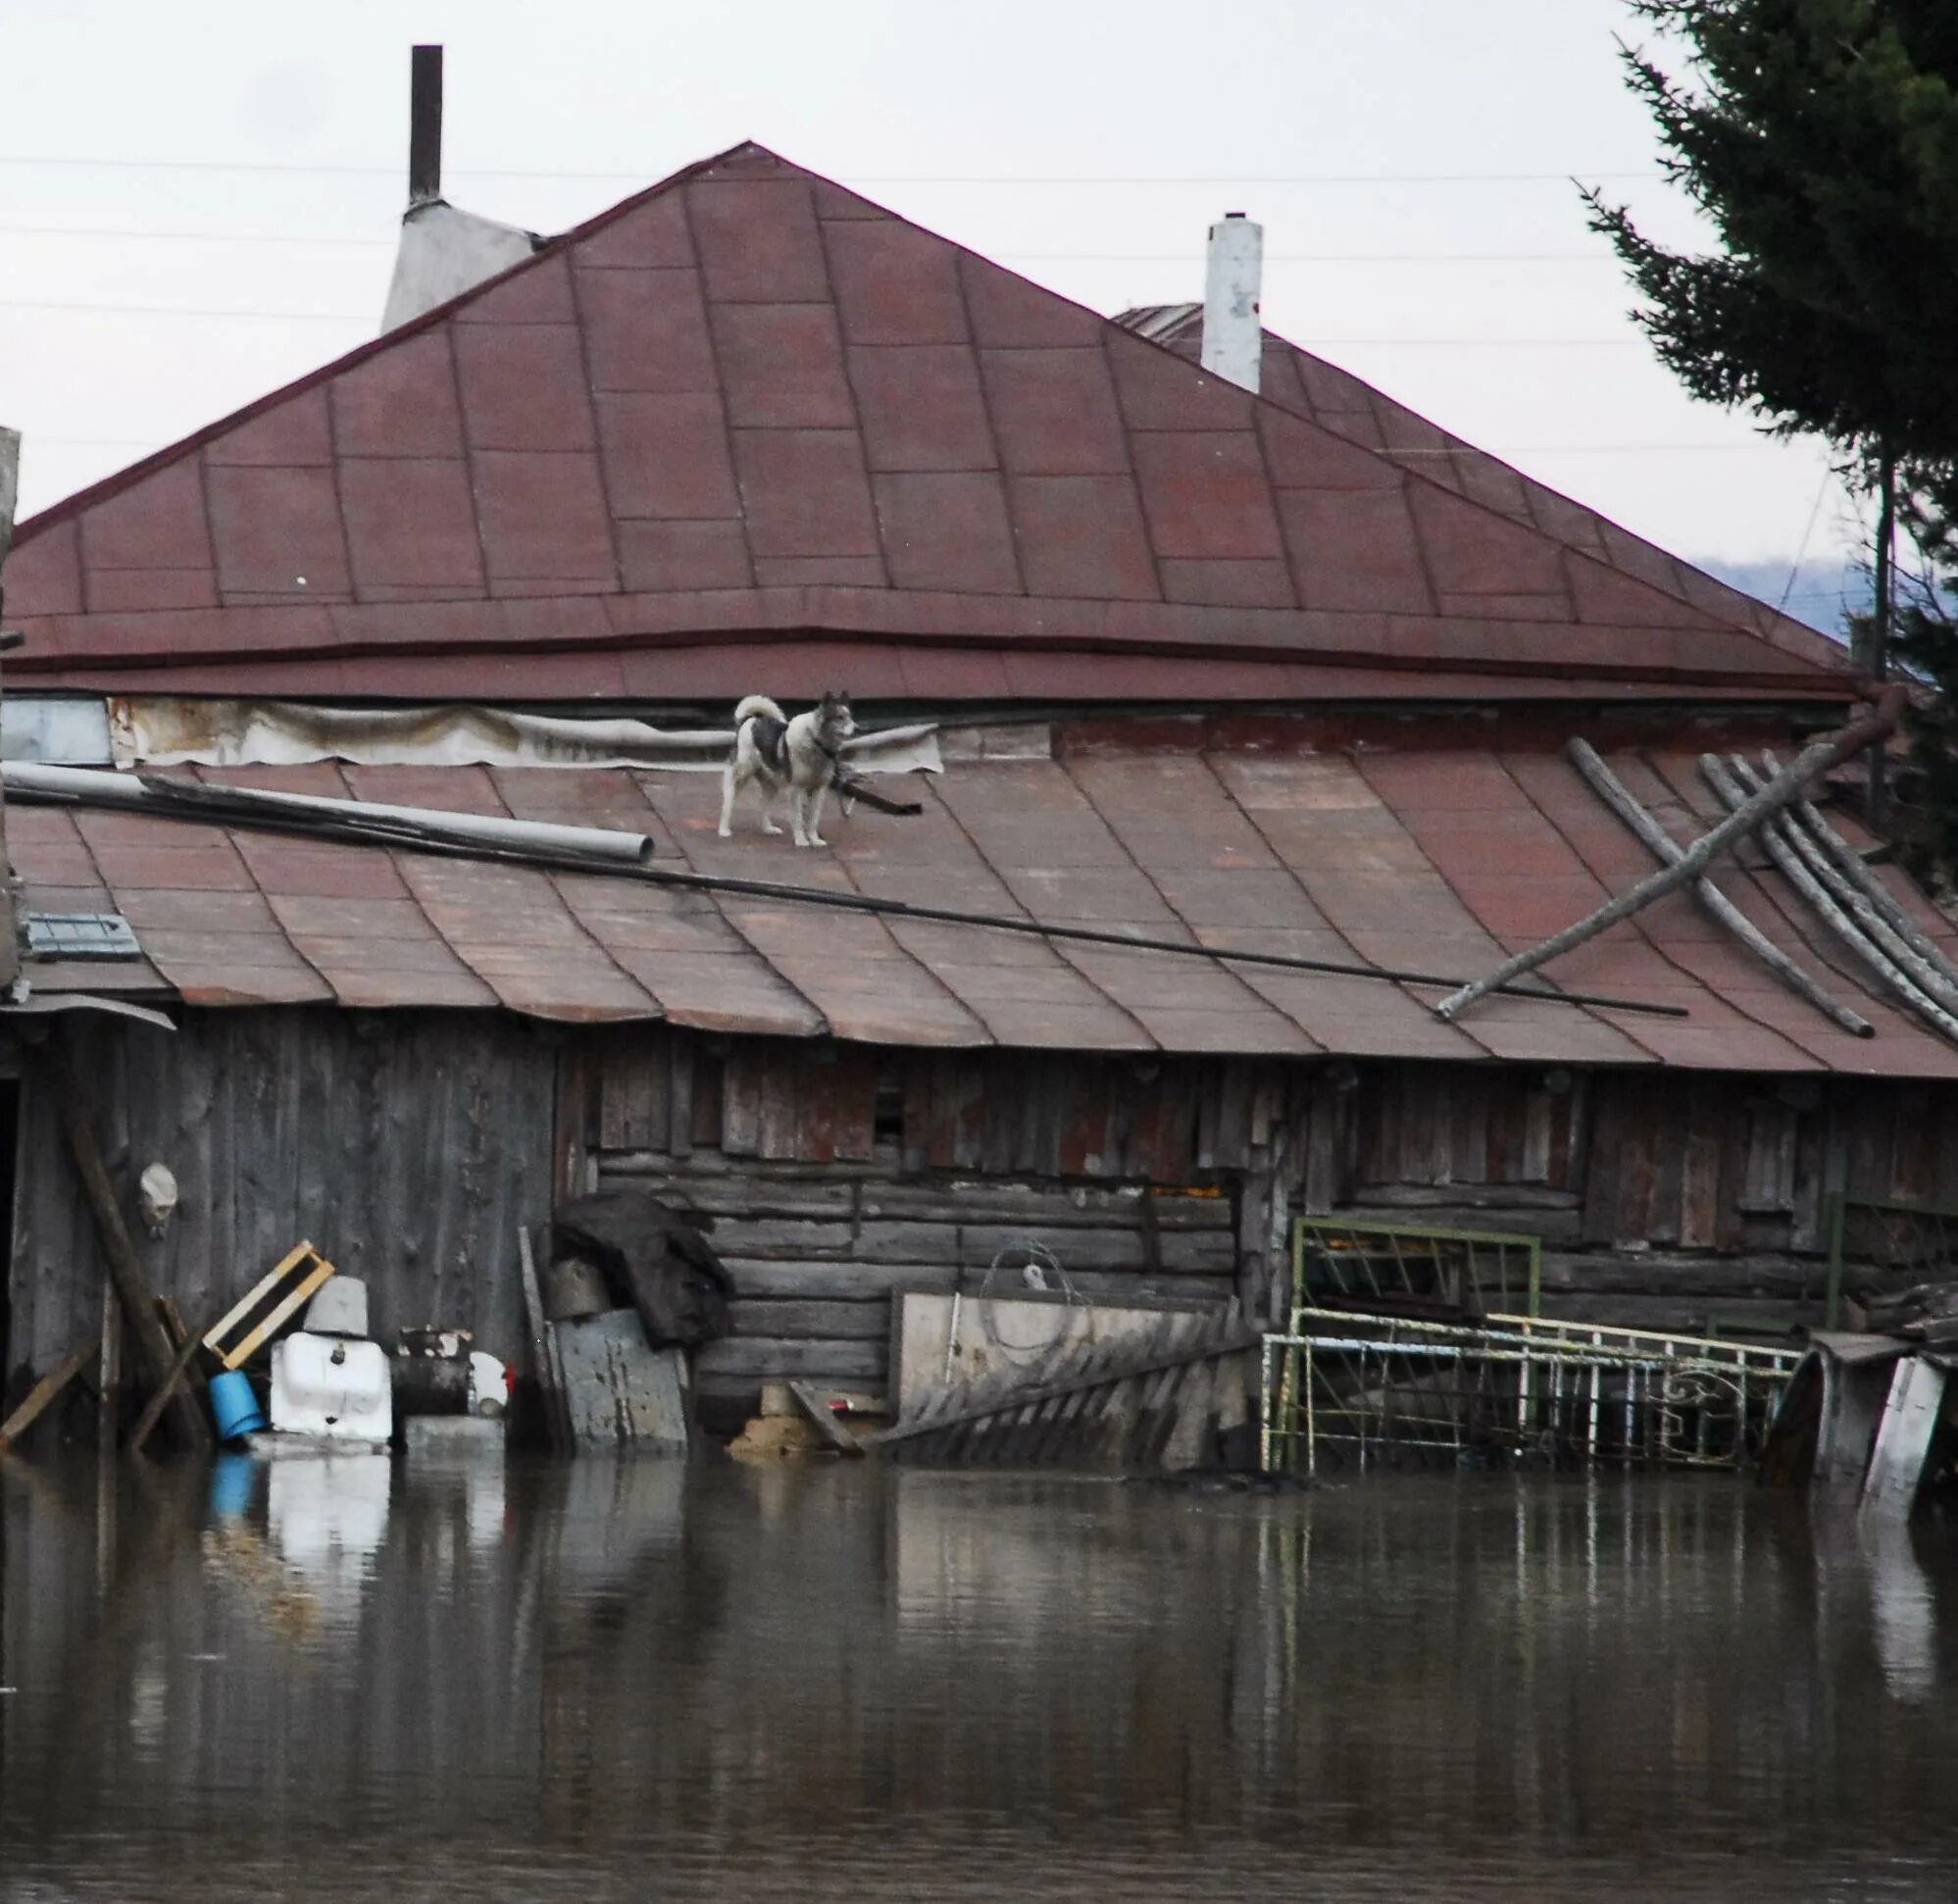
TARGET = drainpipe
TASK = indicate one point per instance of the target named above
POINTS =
(425, 127)
(1234, 340)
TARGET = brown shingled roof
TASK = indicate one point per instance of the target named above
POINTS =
(748, 407)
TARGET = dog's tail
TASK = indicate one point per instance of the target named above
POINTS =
(757, 707)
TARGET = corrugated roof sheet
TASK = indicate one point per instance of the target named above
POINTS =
(750, 408)
(1429, 859)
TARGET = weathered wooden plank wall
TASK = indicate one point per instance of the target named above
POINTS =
(407, 1147)
(1672, 1200)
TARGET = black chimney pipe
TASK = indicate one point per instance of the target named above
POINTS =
(425, 127)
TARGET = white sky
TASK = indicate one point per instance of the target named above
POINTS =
(240, 167)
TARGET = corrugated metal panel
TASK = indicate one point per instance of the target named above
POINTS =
(408, 1149)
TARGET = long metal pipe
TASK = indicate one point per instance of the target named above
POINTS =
(94, 787)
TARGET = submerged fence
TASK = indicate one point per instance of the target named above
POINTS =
(1333, 1259)
(1357, 1381)
(1349, 1390)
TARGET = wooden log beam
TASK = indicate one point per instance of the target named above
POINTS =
(1792, 868)
(1930, 976)
(1814, 760)
(1858, 871)
(154, 1352)
(153, 1409)
(43, 1392)
(1669, 852)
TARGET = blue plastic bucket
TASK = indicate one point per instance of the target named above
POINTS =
(235, 1404)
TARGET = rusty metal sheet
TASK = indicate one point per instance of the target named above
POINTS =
(1253, 848)
(1061, 858)
(851, 972)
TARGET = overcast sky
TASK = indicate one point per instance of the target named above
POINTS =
(198, 202)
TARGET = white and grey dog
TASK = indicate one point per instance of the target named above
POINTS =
(801, 756)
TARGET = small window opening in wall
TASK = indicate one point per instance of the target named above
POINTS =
(888, 1113)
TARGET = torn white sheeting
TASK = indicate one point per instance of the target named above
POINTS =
(155, 732)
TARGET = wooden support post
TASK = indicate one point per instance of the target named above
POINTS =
(153, 1349)
(158, 1402)
(544, 1368)
(44, 1392)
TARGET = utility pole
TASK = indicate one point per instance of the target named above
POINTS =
(10, 491)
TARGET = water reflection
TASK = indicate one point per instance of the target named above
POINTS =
(356, 1680)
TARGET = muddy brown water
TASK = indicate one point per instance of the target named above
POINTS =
(630, 1681)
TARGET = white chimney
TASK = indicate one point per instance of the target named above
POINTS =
(444, 251)
(1234, 340)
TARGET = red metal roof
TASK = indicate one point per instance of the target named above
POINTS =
(749, 407)
(1340, 402)
(1429, 859)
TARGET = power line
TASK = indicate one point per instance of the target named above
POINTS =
(184, 311)
(362, 317)
(1795, 567)
(1563, 178)
(190, 238)
(89, 232)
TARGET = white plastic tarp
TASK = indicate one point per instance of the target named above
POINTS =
(160, 732)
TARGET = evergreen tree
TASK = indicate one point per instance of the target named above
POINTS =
(1820, 139)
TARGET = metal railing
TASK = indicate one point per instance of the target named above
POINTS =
(1375, 1390)
(1378, 1261)
(1896, 1237)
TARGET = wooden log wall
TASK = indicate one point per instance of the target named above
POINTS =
(409, 1145)
(831, 1175)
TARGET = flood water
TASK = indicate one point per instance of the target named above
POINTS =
(628, 1680)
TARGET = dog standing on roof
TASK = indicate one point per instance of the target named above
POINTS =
(802, 756)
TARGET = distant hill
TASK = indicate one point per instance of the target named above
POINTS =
(1823, 594)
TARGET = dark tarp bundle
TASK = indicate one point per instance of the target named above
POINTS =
(652, 1259)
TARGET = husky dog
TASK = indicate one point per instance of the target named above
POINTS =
(800, 755)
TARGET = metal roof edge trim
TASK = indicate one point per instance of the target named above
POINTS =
(880, 619)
